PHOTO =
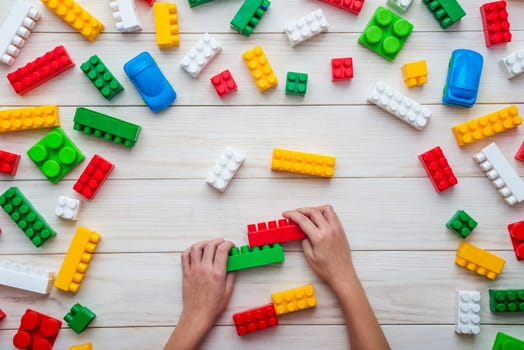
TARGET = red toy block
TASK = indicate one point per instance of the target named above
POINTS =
(283, 230)
(255, 319)
(353, 6)
(224, 83)
(42, 69)
(37, 331)
(2, 315)
(341, 68)
(516, 233)
(520, 153)
(495, 22)
(438, 169)
(93, 177)
(150, 2)
(9, 162)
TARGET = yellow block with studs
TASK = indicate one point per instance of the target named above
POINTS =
(166, 24)
(294, 299)
(303, 163)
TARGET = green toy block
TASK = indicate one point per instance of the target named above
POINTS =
(296, 83)
(55, 155)
(446, 12)
(25, 216)
(248, 16)
(101, 77)
(506, 342)
(79, 318)
(506, 300)
(246, 258)
(112, 129)
(461, 223)
(385, 33)
(193, 3)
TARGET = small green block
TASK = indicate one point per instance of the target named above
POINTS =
(506, 342)
(193, 3)
(506, 300)
(79, 318)
(248, 16)
(55, 155)
(246, 258)
(446, 12)
(101, 77)
(296, 83)
(385, 33)
(461, 223)
(25, 216)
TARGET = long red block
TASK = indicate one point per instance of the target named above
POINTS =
(9, 162)
(42, 69)
(495, 22)
(353, 6)
(438, 169)
(93, 176)
(516, 233)
(271, 232)
(255, 319)
(37, 331)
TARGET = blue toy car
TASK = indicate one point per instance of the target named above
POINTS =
(462, 84)
(151, 84)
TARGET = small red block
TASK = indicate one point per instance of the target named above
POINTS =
(93, 177)
(341, 68)
(9, 162)
(438, 169)
(495, 22)
(520, 153)
(353, 6)
(37, 331)
(255, 319)
(224, 83)
(2, 314)
(516, 233)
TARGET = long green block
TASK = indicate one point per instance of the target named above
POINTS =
(446, 12)
(112, 129)
(506, 342)
(461, 223)
(97, 72)
(246, 258)
(193, 3)
(25, 216)
(506, 300)
(248, 16)
(79, 318)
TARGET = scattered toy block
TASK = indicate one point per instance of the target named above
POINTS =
(255, 319)
(67, 208)
(438, 170)
(516, 234)
(260, 69)
(341, 69)
(28, 118)
(415, 73)
(76, 16)
(296, 83)
(495, 23)
(520, 153)
(79, 318)
(101, 77)
(224, 83)
(25, 216)
(37, 331)
(446, 12)
(166, 24)
(26, 277)
(125, 16)
(478, 260)
(226, 167)
(513, 65)
(246, 258)
(9, 162)
(151, 2)
(461, 223)
(283, 230)
(352, 6)
(93, 177)
(468, 312)
(295, 299)
(306, 27)
(248, 16)
(86, 346)
(193, 3)
(506, 342)
(400, 6)
(3, 315)
(77, 260)
(506, 300)
(303, 163)
(200, 55)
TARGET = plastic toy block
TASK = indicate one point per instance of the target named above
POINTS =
(79, 318)
(28, 118)
(93, 177)
(341, 68)
(86, 346)
(438, 170)
(16, 29)
(77, 260)
(37, 331)
(303, 163)
(200, 55)
(125, 15)
(400, 6)
(478, 260)
(260, 68)
(246, 258)
(109, 128)
(105, 82)
(468, 312)
(67, 208)
(415, 73)
(166, 24)
(503, 177)
(224, 83)
(506, 342)
(26, 277)
(9, 162)
(296, 83)
(461, 223)
(42, 69)
(306, 27)
(193, 3)
(25, 216)
(283, 230)
(76, 16)
(353, 6)
(3, 315)
(385, 33)
(516, 234)
(513, 65)
(294, 299)
(151, 2)
(255, 319)
(446, 12)
(248, 16)
(495, 22)
(506, 300)
(400, 106)
(520, 153)
(226, 167)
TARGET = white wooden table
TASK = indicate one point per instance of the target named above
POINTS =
(156, 202)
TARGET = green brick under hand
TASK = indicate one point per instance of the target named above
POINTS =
(79, 318)
(506, 300)
(446, 12)
(246, 258)
(296, 83)
(506, 342)
(21, 211)
(248, 16)
(101, 77)
(461, 223)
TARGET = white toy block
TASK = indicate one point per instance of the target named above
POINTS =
(306, 27)
(200, 55)
(468, 312)
(226, 167)
(26, 277)
(16, 29)
(513, 64)
(400, 5)
(503, 177)
(124, 13)
(400, 106)
(67, 208)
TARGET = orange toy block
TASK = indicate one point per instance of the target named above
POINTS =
(415, 73)
(294, 299)
(478, 260)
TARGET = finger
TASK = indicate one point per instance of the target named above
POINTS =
(186, 261)
(306, 225)
(230, 284)
(316, 216)
(196, 252)
(209, 251)
(330, 215)
(222, 254)
(307, 248)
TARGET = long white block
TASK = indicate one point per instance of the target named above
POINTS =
(513, 64)
(468, 312)
(26, 277)
(126, 18)
(200, 55)
(306, 27)
(225, 168)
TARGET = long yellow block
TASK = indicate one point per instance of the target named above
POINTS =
(86, 346)
(77, 260)
(166, 24)
(303, 163)
(295, 299)
(260, 68)
(488, 125)
(479, 260)
(28, 118)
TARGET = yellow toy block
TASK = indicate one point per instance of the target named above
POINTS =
(479, 260)
(76, 16)
(415, 73)
(488, 125)
(28, 118)
(166, 24)
(86, 346)
(77, 260)
(294, 299)
(303, 163)
(260, 68)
